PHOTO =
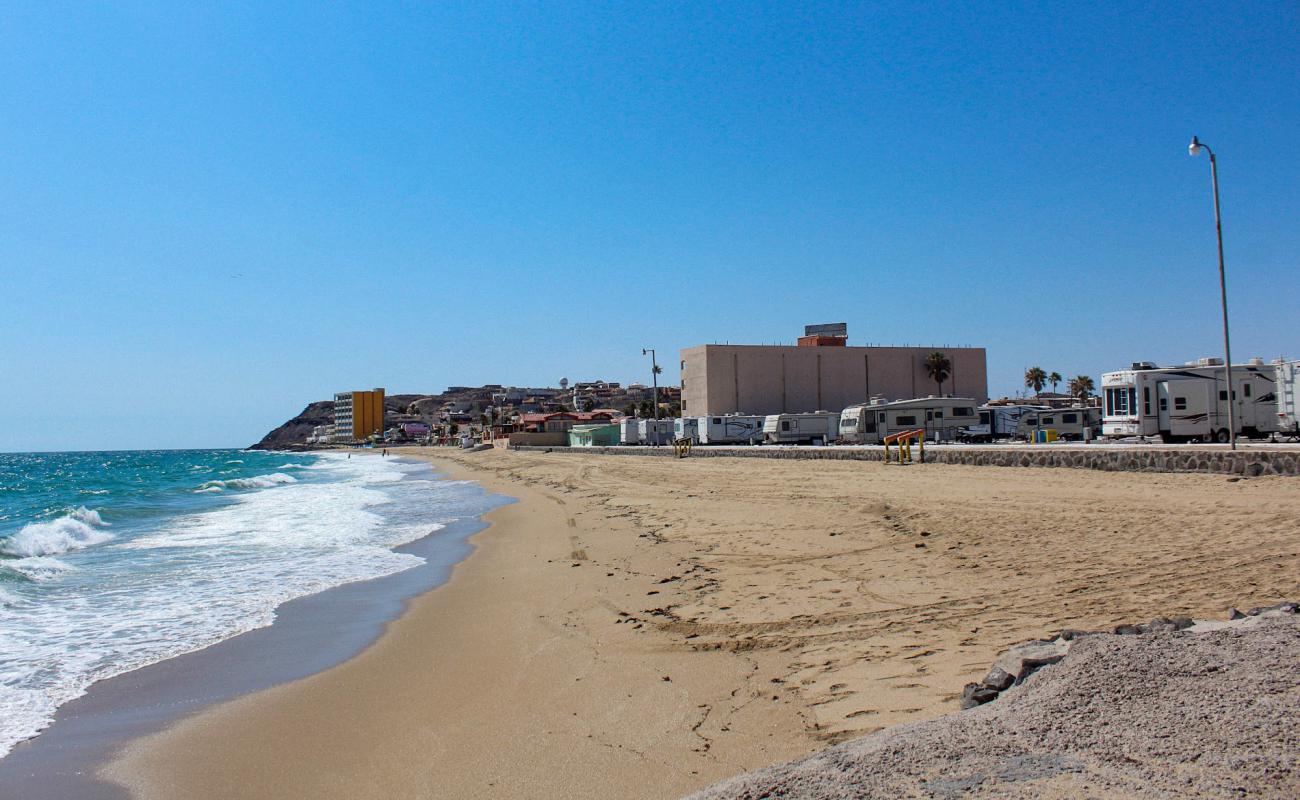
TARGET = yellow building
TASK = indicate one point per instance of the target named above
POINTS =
(358, 414)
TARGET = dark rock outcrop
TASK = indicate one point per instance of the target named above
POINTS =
(293, 434)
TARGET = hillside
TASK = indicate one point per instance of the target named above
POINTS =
(292, 435)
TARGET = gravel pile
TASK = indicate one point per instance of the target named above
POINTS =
(1188, 714)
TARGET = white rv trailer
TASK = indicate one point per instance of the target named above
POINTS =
(819, 427)
(1071, 424)
(687, 428)
(942, 418)
(1189, 402)
(731, 429)
(629, 431)
(1288, 411)
(656, 431)
(997, 422)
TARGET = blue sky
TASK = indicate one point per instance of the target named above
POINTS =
(211, 215)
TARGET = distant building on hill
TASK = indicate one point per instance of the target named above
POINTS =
(358, 415)
(820, 373)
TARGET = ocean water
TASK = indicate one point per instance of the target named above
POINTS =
(112, 561)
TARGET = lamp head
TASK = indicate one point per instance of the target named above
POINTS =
(642, 351)
(1194, 149)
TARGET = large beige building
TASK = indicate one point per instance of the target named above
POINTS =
(763, 379)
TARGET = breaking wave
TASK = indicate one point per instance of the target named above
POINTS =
(77, 531)
(259, 482)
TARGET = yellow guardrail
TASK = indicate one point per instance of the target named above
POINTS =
(904, 441)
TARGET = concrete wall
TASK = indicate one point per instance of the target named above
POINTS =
(761, 379)
(1111, 459)
(550, 439)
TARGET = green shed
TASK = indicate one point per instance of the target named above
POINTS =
(593, 435)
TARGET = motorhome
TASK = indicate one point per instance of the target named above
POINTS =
(731, 429)
(686, 428)
(820, 427)
(1071, 424)
(629, 431)
(1189, 403)
(1288, 414)
(656, 432)
(942, 418)
(997, 422)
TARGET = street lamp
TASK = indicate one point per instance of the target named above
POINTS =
(1194, 149)
(654, 376)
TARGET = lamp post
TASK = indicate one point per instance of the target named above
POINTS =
(1194, 149)
(654, 376)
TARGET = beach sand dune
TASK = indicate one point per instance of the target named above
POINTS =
(642, 627)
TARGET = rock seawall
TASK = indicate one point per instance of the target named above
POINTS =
(1188, 458)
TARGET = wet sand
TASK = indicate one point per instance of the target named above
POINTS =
(643, 627)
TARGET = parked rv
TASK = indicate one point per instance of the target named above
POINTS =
(997, 422)
(1190, 403)
(1071, 424)
(820, 427)
(731, 429)
(629, 431)
(656, 431)
(942, 418)
(686, 428)
(1288, 414)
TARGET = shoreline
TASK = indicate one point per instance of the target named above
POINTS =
(310, 633)
(537, 711)
(646, 627)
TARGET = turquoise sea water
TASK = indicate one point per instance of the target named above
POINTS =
(111, 561)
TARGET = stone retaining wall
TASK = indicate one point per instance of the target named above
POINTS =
(1249, 463)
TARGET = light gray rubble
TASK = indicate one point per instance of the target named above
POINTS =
(1153, 711)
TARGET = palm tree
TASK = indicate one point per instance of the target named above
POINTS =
(1081, 387)
(1035, 379)
(938, 366)
(1054, 379)
(657, 370)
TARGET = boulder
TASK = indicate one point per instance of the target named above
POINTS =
(1026, 659)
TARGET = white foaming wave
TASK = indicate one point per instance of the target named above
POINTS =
(235, 461)
(76, 531)
(38, 568)
(241, 561)
(258, 482)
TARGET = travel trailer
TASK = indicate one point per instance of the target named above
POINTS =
(686, 428)
(731, 429)
(820, 427)
(656, 431)
(1189, 403)
(1071, 424)
(629, 431)
(942, 419)
(997, 422)
(1288, 414)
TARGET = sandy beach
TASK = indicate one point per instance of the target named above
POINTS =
(639, 627)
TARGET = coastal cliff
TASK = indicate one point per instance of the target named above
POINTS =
(293, 434)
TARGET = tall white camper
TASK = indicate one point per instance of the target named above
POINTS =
(1071, 424)
(1189, 402)
(656, 431)
(997, 422)
(1288, 414)
(819, 427)
(942, 418)
(731, 429)
(629, 431)
(687, 428)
